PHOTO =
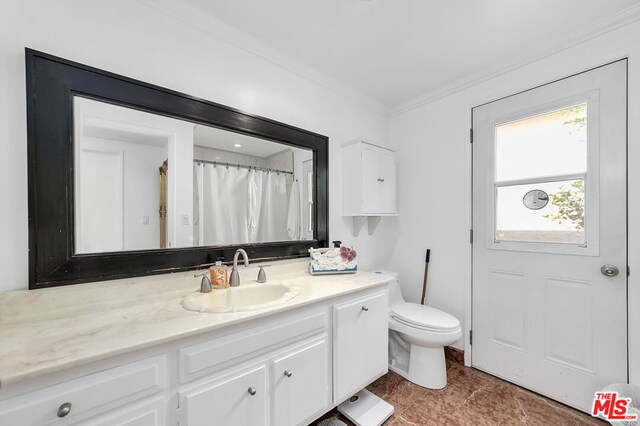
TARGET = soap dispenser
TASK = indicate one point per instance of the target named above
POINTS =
(219, 277)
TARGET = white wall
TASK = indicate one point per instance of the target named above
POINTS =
(435, 156)
(131, 38)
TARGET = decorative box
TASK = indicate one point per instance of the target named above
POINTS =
(332, 261)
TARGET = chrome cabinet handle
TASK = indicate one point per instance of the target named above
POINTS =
(64, 409)
(364, 308)
(380, 180)
(252, 391)
(288, 373)
(610, 271)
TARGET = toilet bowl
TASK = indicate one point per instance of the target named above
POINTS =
(417, 337)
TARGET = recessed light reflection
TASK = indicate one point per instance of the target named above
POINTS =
(237, 145)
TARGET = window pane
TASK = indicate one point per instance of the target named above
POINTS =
(561, 220)
(550, 144)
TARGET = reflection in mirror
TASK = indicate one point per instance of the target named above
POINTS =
(146, 181)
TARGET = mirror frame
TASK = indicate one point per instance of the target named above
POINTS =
(52, 83)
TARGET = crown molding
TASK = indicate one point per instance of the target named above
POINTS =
(230, 35)
(581, 35)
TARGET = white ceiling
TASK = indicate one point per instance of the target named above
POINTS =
(212, 137)
(393, 51)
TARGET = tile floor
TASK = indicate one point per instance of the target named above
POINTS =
(471, 398)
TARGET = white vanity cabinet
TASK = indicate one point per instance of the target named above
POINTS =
(368, 179)
(279, 369)
(237, 399)
(300, 383)
(360, 339)
(103, 391)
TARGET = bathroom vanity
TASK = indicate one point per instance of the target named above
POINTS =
(152, 350)
(128, 353)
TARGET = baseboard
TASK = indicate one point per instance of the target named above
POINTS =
(454, 355)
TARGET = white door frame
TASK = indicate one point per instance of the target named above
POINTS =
(632, 249)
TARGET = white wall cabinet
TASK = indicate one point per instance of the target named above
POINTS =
(369, 183)
(368, 179)
(283, 369)
(360, 333)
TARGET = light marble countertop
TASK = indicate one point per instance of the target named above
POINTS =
(48, 330)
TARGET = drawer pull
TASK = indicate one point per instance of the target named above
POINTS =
(364, 308)
(64, 409)
(288, 373)
(252, 391)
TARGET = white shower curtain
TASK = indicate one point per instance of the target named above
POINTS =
(227, 212)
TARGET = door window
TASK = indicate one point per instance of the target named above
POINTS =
(541, 177)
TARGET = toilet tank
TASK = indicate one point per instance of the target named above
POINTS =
(395, 293)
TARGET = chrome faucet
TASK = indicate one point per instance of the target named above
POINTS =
(234, 280)
(205, 283)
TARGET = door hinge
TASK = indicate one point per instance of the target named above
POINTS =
(471, 135)
(178, 414)
(471, 337)
(470, 236)
(628, 271)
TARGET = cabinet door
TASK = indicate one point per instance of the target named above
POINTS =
(387, 183)
(236, 400)
(360, 330)
(300, 384)
(370, 179)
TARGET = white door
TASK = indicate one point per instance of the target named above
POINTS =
(387, 181)
(300, 384)
(239, 399)
(549, 211)
(370, 176)
(307, 200)
(360, 340)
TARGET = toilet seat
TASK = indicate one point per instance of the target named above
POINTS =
(425, 318)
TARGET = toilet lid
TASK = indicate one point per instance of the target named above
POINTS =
(425, 317)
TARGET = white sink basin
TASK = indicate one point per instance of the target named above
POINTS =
(247, 297)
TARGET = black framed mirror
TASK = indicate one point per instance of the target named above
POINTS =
(129, 179)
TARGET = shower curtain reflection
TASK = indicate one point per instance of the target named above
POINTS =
(238, 206)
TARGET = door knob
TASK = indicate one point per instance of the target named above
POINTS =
(610, 271)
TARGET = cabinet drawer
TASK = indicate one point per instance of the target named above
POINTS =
(300, 383)
(149, 413)
(206, 357)
(360, 328)
(87, 395)
(238, 399)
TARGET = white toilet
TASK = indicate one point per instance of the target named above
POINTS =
(417, 337)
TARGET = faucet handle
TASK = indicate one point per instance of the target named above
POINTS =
(205, 283)
(262, 275)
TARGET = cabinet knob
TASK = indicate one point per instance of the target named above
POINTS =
(364, 308)
(64, 409)
(288, 373)
(252, 391)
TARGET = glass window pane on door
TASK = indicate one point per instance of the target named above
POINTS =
(554, 143)
(559, 220)
(541, 169)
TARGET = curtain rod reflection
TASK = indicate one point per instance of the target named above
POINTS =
(240, 166)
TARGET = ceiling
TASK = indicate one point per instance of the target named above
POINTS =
(212, 137)
(393, 51)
